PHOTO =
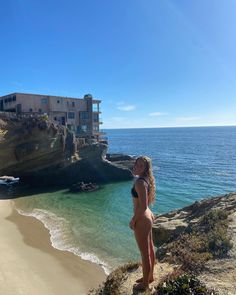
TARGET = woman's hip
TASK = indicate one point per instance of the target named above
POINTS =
(145, 221)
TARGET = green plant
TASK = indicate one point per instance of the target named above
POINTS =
(183, 284)
(114, 280)
(44, 117)
(215, 217)
(190, 252)
(219, 243)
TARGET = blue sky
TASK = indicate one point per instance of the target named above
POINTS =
(153, 63)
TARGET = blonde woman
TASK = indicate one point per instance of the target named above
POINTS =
(143, 193)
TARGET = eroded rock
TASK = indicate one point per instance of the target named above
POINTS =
(169, 226)
(44, 154)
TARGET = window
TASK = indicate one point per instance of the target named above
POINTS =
(58, 101)
(84, 115)
(73, 104)
(67, 103)
(14, 98)
(95, 107)
(55, 118)
(30, 110)
(95, 128)
(95, 117)
(71, 115)
(44, 100)
(40, 110)
(84, 128)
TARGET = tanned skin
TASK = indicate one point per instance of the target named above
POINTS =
(141, 224)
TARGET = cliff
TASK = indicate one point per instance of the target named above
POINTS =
(41, 153)
(210, 222)
(198, 240)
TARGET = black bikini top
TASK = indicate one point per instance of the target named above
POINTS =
(133, 191)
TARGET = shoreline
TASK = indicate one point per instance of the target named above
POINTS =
(30, 263)
(58, 232)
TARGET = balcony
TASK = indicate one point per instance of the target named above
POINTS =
(98, 121)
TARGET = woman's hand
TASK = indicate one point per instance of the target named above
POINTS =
(153, 217)
(132, 223)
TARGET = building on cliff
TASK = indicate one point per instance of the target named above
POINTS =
(80, 115)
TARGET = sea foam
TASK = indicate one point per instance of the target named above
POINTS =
(61, 235)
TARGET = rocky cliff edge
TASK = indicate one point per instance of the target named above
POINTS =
(44, 154)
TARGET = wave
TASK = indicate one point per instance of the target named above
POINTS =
(222, 173)
(60, 235)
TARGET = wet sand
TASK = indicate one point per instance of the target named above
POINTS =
(29, 265)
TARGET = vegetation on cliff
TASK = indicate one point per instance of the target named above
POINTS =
(178, 283)
(202, 241)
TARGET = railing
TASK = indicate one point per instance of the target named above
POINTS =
(8, 115)
(22, 115)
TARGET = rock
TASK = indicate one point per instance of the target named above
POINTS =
(167, 230)
(118, 157)
(169, 226)
(84, 187)
(219, 274)
(121, 160)
(44, 154)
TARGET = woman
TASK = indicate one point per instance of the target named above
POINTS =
(143, 193)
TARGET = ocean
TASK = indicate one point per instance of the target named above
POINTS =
(189, 164)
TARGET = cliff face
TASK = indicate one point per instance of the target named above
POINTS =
(218, 272)
(42, 153)
(167, 227)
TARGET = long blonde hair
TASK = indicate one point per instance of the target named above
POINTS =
(149, 174)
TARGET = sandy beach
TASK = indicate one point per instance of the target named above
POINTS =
(29, 265)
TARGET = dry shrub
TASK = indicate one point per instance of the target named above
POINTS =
(114, 280)
(189, 251)
(207, 239)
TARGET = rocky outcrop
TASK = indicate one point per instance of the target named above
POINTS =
(121, 160)
(169, 226)
(122, 280)
(218, 274)
(42, 153)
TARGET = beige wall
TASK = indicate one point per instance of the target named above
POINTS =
(33, 102)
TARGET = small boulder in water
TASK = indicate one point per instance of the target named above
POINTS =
(83, 187)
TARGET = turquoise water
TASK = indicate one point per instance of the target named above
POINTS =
(189, 164)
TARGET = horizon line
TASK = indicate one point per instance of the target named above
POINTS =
(160, 127)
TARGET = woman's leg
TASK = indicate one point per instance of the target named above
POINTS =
(153, 259)
(152, 256)
(142, 232)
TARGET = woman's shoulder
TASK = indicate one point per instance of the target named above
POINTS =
(141, 181)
